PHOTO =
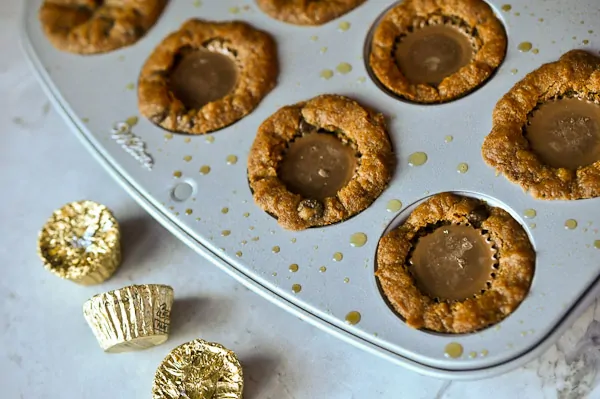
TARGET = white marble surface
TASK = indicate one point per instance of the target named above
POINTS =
(47, 350)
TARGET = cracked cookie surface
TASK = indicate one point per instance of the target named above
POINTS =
(253, 53)
(354, 125)
(95, 26)
(307, 12)
(504, 293)
(473, 19)
(575, 75)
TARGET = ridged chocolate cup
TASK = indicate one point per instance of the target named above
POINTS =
(81, 242)
(131, 318)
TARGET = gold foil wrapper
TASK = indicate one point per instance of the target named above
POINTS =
(131, 318)
(81, 242)
(199, 370)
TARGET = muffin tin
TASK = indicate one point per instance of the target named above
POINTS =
(196, 186)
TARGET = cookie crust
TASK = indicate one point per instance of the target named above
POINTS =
(363, 129)
(306, 12)
(516, 259)
(254, 53)
(91, 27)
(473, 17)
(575, 74)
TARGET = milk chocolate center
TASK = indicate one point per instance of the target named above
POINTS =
(203, 76)
(566, 133)
(452, 263)
(432, 53)
(317, 165)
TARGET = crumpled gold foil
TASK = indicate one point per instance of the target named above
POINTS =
(199, 370)
(131, 318)
(81, 242)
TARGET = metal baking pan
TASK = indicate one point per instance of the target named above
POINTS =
(94, 93)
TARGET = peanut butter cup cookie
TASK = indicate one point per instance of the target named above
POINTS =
(434, 51)
(206, 76)
(320, 162)
(94, 26)
(456, 265)
(307, 12)
(546, 130)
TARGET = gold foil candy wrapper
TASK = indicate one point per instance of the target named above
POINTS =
(131, 318)
(199, 370)
(81, 242)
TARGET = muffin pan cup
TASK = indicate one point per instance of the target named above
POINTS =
(198, 192)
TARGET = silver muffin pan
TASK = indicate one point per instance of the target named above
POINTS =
(94, 93)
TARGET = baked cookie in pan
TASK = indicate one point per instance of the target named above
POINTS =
(207, 75)
(320, 162)
(307, 12)
(546, 130)
(94, 26)
(456, 265)
(435, 51)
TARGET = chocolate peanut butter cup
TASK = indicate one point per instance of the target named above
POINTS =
(320, 162)
(456, 265)
(546, 130)
(436, 51)
(207, 76)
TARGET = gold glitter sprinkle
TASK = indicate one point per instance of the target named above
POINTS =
(189, 211)
(338, 256)
(353, 318)
(322, 269)
(205, 169)
(238, 254)
(177, 174)
(132, 121)
(296, 288)
(571, 224)
(343, 68)
(130, 86)
(187, 158)
(231, 159)
(462, 168)
(326, 74)
(275, 249)
(294, 268)
(225, 233)
(246, 214)
(168, 136)
(343, 26)
(225, 210)
(210, 139)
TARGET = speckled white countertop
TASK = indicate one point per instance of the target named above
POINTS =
(48, 351)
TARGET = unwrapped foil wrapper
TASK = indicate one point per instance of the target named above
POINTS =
(81, 242)
(131, 318)
(199, 370)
